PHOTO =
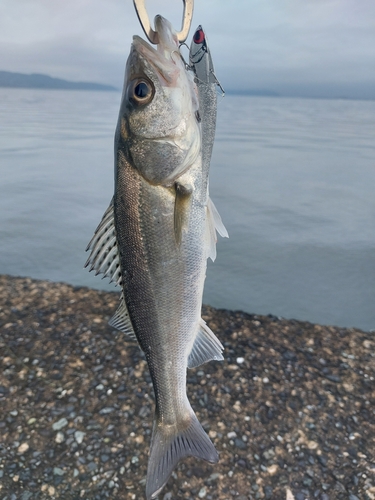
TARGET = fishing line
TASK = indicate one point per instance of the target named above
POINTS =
(218, 83)
(187, 66)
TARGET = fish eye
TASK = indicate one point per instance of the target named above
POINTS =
(141, 91)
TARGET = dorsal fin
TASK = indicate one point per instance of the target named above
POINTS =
(104, 255)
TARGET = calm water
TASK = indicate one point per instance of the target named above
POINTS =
(293, 179)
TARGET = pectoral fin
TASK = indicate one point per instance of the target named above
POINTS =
(181, 209)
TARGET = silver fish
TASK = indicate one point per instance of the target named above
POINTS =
(200, 61)
(154, 241)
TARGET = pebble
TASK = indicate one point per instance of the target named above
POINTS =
(78, 436)
(268, 492)
(272, 469)
(59, 437)
(268, 454)
(23, 448)
(60, 424)
(240, 444)
(92, 466)
(289, 495)
(144, 411)
(290, 414)
(322, 459)
(202, 492)
(312, 445)
(106, 410)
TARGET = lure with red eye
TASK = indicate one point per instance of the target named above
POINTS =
(199, 36)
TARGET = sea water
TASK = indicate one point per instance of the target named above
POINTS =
(293, 179)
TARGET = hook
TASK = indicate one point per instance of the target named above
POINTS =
(152, 35)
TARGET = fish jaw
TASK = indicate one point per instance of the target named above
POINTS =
(160, 134)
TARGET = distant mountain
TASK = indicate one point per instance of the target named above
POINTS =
(38, 81)
(261, 92)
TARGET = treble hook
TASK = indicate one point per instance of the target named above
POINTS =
(152, 35)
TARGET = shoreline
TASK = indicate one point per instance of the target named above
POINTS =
(290, 408)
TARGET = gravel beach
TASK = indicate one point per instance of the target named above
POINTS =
(290, 410)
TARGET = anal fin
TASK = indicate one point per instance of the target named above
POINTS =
(214, 223)
(206, 347)
(218, 223)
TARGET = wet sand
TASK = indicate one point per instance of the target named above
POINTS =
(290, 410)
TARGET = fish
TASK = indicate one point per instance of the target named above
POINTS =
(200, 60)
(154, 240)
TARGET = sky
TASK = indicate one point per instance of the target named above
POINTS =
(320, 48)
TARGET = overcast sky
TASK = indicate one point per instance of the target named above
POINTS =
(281, 45)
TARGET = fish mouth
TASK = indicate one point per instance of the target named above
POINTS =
(165, 59)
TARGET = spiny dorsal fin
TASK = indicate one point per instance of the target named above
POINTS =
(206, 347)
(121, 319)
(181, 209)
(104, 255)
(214, 223)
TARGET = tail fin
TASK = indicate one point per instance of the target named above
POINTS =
(169, 446)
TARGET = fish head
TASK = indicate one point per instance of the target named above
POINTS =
(158, 123)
